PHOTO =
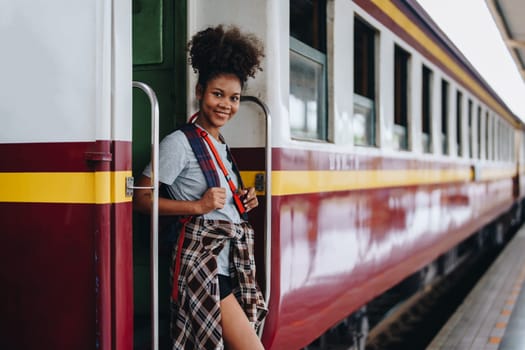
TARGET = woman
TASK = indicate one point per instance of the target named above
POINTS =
(216, 300)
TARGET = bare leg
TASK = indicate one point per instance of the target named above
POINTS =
(236, 329)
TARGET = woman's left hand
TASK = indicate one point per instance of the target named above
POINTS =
(249, 198)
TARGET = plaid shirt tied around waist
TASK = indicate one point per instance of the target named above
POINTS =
(196, 316)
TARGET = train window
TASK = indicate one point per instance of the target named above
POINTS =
(492, 137)
(501, 141)
(510, 143)
(479, 132)
(308, 22)
(459, 124)
(401, 79)
(470, 131)
(364, 118)
(426, 109)
(487, 140)
(504, 142)
(498, 140)
(308, 111)
(444, 116)
(505, 152)
(521, 151)
(521, 154)
(508, 140)
(147, 32)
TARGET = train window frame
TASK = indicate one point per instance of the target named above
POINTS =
(487, 134)
(402, 82)
(488, 142)
(501, 141)
(470, 126)
(312, 32)
(512, 143)
(445, 103)
(427, 81)
(497, 139)
(459, 123)
(506, 142)
(494, 137)
(480, 134)
(364, 117)
(308, 54)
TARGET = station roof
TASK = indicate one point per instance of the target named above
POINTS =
(508, 15)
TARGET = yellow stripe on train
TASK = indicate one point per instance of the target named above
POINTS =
(288, 182)
(110, 187)
(295, 182)
(82, 188)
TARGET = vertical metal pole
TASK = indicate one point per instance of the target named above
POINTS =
(268, 189)
(154, 224)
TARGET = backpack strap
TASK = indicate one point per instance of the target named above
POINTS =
(236, 198)
(198, 139)
(234, 163)
(201, 153)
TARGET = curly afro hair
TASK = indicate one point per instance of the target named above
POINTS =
(218, 50)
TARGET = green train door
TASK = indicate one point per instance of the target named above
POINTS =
(159, 39)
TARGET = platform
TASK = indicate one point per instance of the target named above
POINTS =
(493, 314)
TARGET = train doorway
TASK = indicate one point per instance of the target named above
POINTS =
(159, 60)
(159, 39)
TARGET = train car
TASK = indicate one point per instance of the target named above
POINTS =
(510, 29)
(376, 148)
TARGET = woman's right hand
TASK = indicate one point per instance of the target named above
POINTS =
(213, 198)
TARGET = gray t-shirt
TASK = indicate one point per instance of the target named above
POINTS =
(179, 168)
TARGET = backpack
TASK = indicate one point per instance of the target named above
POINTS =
(170, 225)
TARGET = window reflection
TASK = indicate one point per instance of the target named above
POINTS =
(306, 96)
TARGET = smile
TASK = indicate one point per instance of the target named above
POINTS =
(223, 114)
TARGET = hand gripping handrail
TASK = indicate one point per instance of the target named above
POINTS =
(154, 224)
(268, 189)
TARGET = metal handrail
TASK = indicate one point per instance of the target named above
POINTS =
(154, 223)
(268, 188)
